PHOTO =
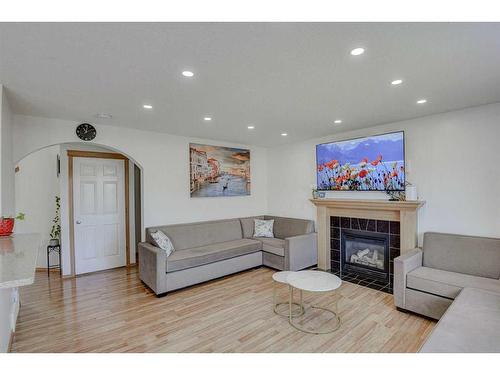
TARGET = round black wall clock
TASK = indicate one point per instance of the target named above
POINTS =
(86, 132)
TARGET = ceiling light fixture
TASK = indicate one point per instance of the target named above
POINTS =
(397, 82)
(187, 73)
(422, 101)
(104, 116)
(337, 122)
(251, 127)
(207, 118)
(284, 134)
(147, 106)
(357, 51)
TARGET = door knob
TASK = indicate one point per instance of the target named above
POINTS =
(78, 222)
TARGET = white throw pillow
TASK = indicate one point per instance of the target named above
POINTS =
(263, 228)
(163, 242)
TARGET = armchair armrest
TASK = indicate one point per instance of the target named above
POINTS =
(301, 251)
(153, 267)
(404, 264)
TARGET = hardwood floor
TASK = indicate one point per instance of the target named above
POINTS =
(113, 311)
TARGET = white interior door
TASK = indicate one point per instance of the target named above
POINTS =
(99, 214)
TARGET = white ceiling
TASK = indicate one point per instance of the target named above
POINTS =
(281, 77)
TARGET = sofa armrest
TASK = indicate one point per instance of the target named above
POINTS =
(153, 267)
(404, 264)
(301, 251)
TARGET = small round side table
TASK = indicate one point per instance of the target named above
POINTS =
(281, 278)
(313, 281)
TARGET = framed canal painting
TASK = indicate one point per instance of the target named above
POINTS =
(217, 171)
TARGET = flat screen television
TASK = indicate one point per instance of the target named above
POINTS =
(374, 163)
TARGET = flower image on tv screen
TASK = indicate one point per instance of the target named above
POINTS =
(374, 163)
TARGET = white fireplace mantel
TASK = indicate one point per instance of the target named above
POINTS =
(403, 211)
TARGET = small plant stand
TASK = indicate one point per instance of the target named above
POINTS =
(53, 249)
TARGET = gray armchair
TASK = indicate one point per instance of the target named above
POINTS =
(427, 280)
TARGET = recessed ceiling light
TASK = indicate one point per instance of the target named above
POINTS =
(104, 116)
(207, 118)
(251, 127)
(397, 82)
(357, 51)
(421, 101)
(147, 106)
(338, 122)
(284, 134)
(187, 73)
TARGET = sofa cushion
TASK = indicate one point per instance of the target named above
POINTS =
(447, 284)
(289, 227)
(470, 325)
(163, 242)
(478, 256)
(247, 225)
(263, 228)
(274, 246)
(187, 236)
(197, 256)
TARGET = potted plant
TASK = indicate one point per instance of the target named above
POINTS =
(398, 195)
(55, 232)
(7, 224)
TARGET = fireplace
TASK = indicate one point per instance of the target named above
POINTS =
(365, 253)
(350, 237)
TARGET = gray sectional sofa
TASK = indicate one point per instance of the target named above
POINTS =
(456, 279)
(211, 249)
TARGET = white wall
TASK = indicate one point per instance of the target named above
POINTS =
(36, 186)
(7, 168)
(453, 159)
(164, 160)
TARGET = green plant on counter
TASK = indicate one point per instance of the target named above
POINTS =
(20, 216)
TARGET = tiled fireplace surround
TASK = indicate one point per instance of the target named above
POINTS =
(394, 220)
(392, 228)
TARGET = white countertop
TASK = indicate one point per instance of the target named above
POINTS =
(18, 255)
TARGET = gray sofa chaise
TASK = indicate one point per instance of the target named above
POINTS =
(211, 249)
(456, 279)
(470, 325)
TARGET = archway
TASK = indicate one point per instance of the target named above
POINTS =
(43, 172)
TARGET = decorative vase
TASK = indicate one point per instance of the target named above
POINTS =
(411, 193)
(315, 194)
(6, 226)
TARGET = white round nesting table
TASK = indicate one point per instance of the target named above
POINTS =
(316, 282)
(281, 278)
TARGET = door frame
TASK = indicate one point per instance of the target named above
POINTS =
(100, 155)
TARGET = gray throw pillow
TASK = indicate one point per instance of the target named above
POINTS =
(263, 228)
(163, 242)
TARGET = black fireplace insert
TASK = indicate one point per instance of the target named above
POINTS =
(365, 253)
